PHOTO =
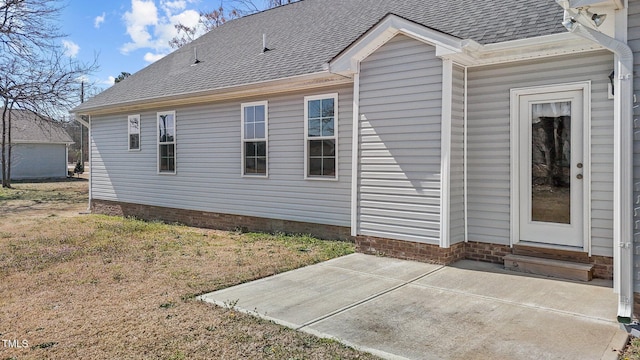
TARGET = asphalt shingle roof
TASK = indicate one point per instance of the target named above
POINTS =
(29, 127)
(307, 34)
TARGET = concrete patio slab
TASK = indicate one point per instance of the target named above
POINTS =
(305, 295)
(408, 310)
(579, 298)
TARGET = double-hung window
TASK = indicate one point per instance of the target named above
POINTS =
(134, 132)
(167, 142)
(255, 133)
(321, 136)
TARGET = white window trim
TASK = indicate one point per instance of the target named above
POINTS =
(333, 96)
(129, 132)
(175, 143)
(266, 138)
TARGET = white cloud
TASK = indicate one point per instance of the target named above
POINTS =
(143, 14)
(151, 27)
(83, 78)
(71, 49)
(170, 6)
(149, 57)
(110, 81)
(99, 20)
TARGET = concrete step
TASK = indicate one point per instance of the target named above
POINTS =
(549, 267)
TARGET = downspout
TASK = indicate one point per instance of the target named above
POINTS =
(87, 124)
(90, 156)
(622, 162)
(465, 154)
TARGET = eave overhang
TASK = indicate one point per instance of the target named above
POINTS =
(256, 89)
(464, 52)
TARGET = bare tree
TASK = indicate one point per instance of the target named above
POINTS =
(35, 75)
(207, 21)
(215, 18)
(26, 26)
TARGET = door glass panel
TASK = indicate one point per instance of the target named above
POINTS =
(551, 162)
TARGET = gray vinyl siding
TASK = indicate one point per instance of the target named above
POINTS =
(399, 170)
(209, 163)
(456, 191)
(38, 161)
(488, 141)
(634, 42)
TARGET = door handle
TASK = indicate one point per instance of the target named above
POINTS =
(579, 165)
(579, 176)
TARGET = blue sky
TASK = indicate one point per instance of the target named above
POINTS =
(127, 35)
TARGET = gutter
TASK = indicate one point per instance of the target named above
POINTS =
(622, 162)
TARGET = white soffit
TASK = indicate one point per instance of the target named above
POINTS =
(616, 4)
(464, 52)
(475, 54)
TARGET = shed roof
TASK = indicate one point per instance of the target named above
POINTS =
(305, 35)
(28, 127)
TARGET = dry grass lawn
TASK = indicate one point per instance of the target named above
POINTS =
(95, 287)
(632, 351)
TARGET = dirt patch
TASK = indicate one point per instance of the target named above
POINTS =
(98, 287)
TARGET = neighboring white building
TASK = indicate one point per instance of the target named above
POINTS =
(39, 147)
(430, 130)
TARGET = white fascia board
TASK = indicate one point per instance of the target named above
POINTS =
(257, 89)
(347, 62)
(475, 54)
(82, 121)
(616, 4)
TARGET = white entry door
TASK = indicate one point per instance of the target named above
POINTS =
(551, 168)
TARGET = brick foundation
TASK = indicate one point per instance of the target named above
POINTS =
(486, 252)
(218, 221)
(602, 266)
(409, 250)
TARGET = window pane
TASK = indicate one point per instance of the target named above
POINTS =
(171, 164)
(327, 108)
(551, 162)
(315, 167)
(249, 131)
(259, 113)
(314, 127)
(259, 130)
(170, 123)
(314, 109)
(249, 115)
(134, 141)
(261, 148)
(315, 148)
(250, 149)
(163, 151)
(165, 125)
(250, 165)
(134, 125)
(328, 148)
(329, 166)
(167, 157)
(261, 166)
(327, 127)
